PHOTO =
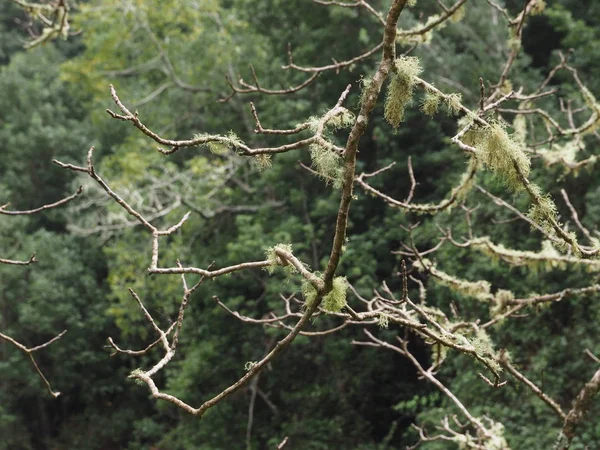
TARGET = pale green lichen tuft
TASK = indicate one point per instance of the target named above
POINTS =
(217, 147)
(250, 365)
(500, 304)
(326, 162)
(503, 155)
(569, 243)
(309, 292)
(453, 104)
(220, 144)
(313, 123)
(543, 211)
(343, 119)
(135, 376)
(216, 144)
(234, 140)
(408, 67)
(411, 3)
(338, 182)
(335, 300)
(365, 83)
(484, 349)
(400, 89)
(398, 96)
(274, 259)
(383, 321)
(431, 103)
(263, 162)
(496, 439)
(483, 344)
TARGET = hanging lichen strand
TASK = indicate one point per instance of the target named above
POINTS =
(326, 162)
(401, 88)
(431, 103)
(504, 156)
(325, 159)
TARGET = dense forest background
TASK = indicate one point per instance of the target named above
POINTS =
(169, 60)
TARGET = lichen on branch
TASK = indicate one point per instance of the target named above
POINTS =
(401, 88)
